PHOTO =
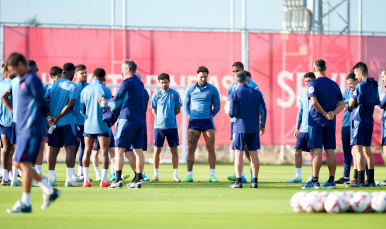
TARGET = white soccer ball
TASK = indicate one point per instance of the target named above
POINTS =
(378, 202)
(312, 202)
(296, 201)
(361, 202)
(323, 195)
(349, 195)
(226, 107)
(346, 201)
(334, 203)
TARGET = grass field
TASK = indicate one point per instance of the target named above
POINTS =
(201, 204)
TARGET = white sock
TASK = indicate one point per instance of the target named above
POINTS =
(156, 172)
(104, 174)
(190, 173)
(14, 173)
(69, 174)
(97, 171)
(5, 174)
(20, 173)
(51, 175)
(112, 169)
(26, 199)
(39, 169)
(45, 187)
(211, 172)
(9, 174)
(242, 173)
(175, 171)
(299, 172)
(80, 170)
(86, 174)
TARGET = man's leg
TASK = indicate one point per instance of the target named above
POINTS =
(193, 137)
(70, 162)
(384, 153)
(5, 151)
(89, 142)
(331, 163)
(209, 136)
(174, 151)
(156, 159)
(132, 160)
(95, 163)
(255, 164)
(52, 163)
(112, 162)
(370, 163)
(119, 162)
(238, 165)
(298, 162)
(105, 144)
(347, 155)
(360, 161)
(81, 147)
(39, 160)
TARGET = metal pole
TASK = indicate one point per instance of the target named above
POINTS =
(244, 37)
(124, 15)
(112, 13)
(348, 17)
(360, 18)
(232, 15)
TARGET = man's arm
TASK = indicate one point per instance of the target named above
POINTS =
(64, 111)
(37, 91)
(338, 108)
(178, 110)
(299, 115)
(383, 102)
(187, 102)
(232, 106)
(154, 111)
(264, 116)
(353, 103)
(216, 102)
(317, 106)
(178, 103)
(6, 101)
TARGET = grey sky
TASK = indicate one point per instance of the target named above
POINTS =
(261, 14)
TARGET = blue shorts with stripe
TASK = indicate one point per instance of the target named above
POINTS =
(128, 133)
(97, 145)
(171, 136)
(322, 137)
(63, 136)
(252, 140)
(361, 133)
(302, 141)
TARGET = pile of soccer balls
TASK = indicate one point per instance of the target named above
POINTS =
(339, 202)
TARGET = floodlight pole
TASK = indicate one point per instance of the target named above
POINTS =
(244, 37)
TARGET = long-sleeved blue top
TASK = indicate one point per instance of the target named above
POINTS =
(79, 118)
(346, 97)
(199, 100)
(14, 90)
(128, 102)
(32, 107)
(6, 116)
(303, 112)
(244, 105)
(91, 109)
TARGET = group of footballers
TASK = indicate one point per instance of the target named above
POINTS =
(79, 117)
(318, 107)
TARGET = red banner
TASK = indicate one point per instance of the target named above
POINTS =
(277, 63)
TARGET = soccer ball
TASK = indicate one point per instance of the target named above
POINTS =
(349, 195)
(361, 202)
(312, 202)
(378, 202)
(296, 201)
(346, 199)
(334, 203)
(226, 107)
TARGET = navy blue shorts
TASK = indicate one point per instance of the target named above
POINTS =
(232, 123)
(361, 133)
(8, 130)
(170, 134)
(144, 147)
(129, 133)
(383, 133)
(104, 134)
(201, 124)
(302, 141)
(97, 146)
(322, 136)
(27, 149)
(64, 135)
(252, 140)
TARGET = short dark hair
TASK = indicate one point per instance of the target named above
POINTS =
(202, 69)
(14, 59)
(163, 76)
(55, 70)
(131, 64)
(351, 75)
(238, 64)
(4, 67)
(100, 73)
(248, 74)
(80, 67)
(67, 67)
(240, 77)
(309, 74)
(320, 65)
(362, 67)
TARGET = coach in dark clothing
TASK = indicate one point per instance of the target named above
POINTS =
(244, 105)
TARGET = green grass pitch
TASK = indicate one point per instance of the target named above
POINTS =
(200, 204)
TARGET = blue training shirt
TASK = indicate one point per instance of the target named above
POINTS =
(59, 94)
(328, 94)
(79, 118)
(14, 90)
(165, 104)
(383, 106)
(91, 109)
(45, 87)
(32, 107)
(367, 96)
(346, 96)
(199, 100)
(303, 112)
(244, 105)
(6, 117)
(128, 102)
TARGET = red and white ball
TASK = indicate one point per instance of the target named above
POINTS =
(361, 202)
(335, 203)
(312, 202)
(296, 201)
(378, 202)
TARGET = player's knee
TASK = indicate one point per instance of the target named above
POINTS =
(210, 148)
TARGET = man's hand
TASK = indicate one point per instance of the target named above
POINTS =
(330, 115)
(54, 120)
(262, 130)
(346, 108)
(102, 101)
(296, 134)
